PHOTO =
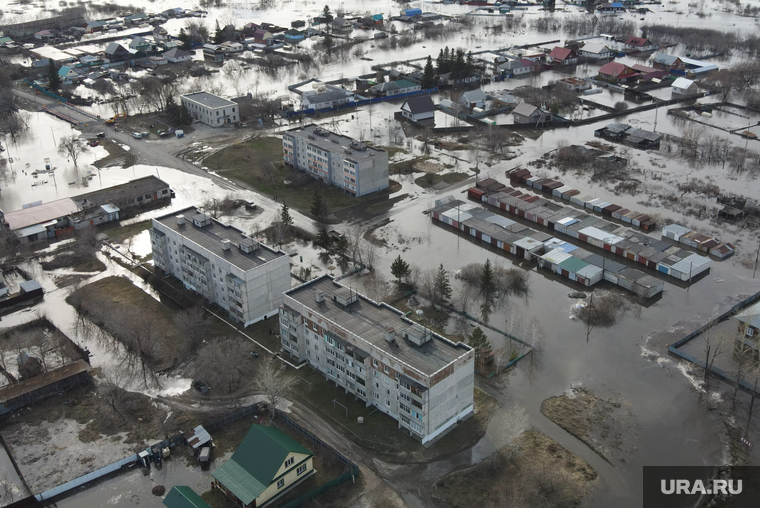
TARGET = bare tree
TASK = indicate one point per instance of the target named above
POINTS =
(279, 231)
(511, 425)
(501, 356)
(223, 364)
(713, 345)
(193, 324)
(71, 147)
(463, 295)
(274, 384)
(370, 254)
(535, 333)
(745, 361)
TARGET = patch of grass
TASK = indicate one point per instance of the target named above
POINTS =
(384, 206)
(69, 259)
(393, 150)
(431, 179)
(405, 167)
(107, 300)
(533, 471)
(117, 156)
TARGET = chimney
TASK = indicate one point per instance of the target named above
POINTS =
(390, 335)
(319, 296)
(226, 244)
(180, 220)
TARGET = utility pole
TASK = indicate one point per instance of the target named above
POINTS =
(757, 256)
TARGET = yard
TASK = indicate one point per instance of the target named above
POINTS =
(117, 156)
(326, 464)
(258, 163)
(379, 432)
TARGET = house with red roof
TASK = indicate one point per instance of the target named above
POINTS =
(640, 44)
(616, 72)
(562, 56)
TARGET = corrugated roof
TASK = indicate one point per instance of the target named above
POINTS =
(573, 264)
(41, 213)
(184, 497)
(253, 466)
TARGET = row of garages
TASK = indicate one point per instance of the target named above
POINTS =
(558, 256)
(586, 201)
(619, 240)
(699, 241)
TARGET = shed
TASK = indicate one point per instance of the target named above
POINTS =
(184, 497)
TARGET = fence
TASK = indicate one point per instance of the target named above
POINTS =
(348, 475)
(42, 90)
(720, 373)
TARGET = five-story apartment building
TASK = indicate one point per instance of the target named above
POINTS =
(221, 263)
(338, 160)
(373, 351)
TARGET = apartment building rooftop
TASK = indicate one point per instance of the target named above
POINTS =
(336, 142)
(372, 322)
(226, 242)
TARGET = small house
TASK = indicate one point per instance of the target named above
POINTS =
(418, 109)
(615, 72)
(160, 34)
(667, 62)
(410, 13)
(639, 44)
(136, 19)
(140, 44)
(517, 67)
(184, 497)
(262, 37)
(526, 113)
(68, 75)
(683, 87)
(266, 465)
(341, 25)
(294, 36)
(177, 55)
(473, 99)
(391, 88)
(562, 56)
(115, 52)
(595, 51)
(44, 35)
(613, 7)
(749, 321)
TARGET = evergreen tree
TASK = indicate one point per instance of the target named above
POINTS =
(479, 343)
(487, 285)
(285, 215)
(400, 268)
(184, 39)
(54, 80)
(341, 247)
(469, 65)
(323, 240)
(327, 15)
(318, 208)
(441, 285)
(458, 65)
(440, 63)
(446, 61)
(428, 74)
(218, 34)
(328, 42)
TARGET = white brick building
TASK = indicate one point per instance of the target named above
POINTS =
(371, 350)
(210, 109)
(336, 159)
(221, 263)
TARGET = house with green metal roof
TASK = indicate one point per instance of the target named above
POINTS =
(267, 464)
(184, 497)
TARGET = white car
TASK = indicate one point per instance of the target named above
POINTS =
(137, 135)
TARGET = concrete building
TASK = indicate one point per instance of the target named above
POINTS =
(336, 159)
(373, 351)
(221, 263)
(210, 109)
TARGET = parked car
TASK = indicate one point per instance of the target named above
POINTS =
(137, 135)
(101, 134)
(201, 386)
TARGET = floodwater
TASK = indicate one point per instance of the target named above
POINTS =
(671, 427)
(11, 487)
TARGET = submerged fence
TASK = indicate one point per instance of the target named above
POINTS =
(717, 371)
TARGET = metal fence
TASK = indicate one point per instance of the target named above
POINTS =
(720, 373)
(349, 475)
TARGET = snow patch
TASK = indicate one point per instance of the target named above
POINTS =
(695, 381)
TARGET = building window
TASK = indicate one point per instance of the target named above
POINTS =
(301, 469)
(388, 402)
(374, 362)
(289, 462)
(385, 369)
(280, 483)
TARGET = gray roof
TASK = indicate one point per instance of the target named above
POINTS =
(210, 238)
(664, 59)
(420, 104)
(129, 191)
(474, 95)
(208, 100)
(330, 141)
(525, 109)
(750, 316)
(176, 53)
(370, 320)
